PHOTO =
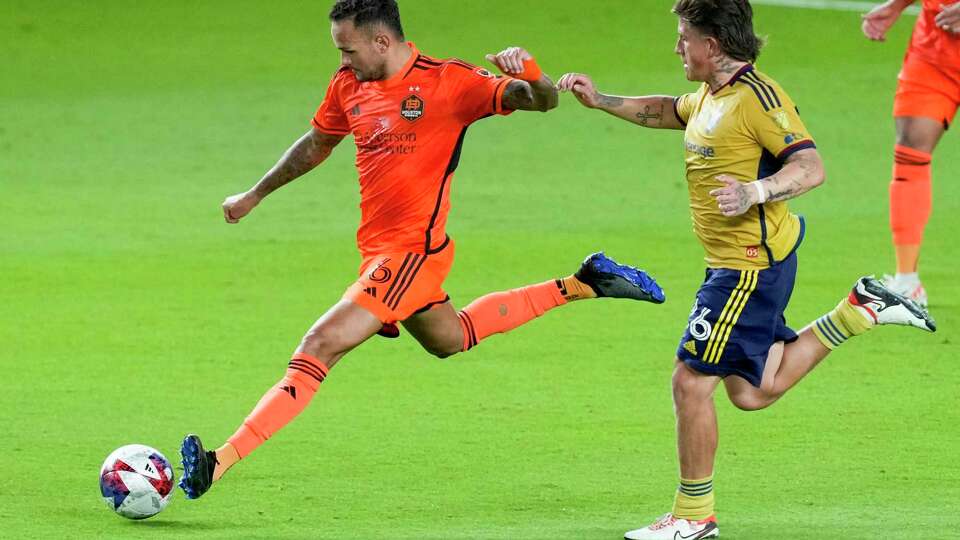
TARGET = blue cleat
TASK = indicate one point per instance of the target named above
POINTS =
(198, 466)
(611, 280)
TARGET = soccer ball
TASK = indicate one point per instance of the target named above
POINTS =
(136, 481)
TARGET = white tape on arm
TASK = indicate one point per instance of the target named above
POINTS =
(761, 192)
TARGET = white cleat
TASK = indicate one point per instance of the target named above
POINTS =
(912, 289)
(881, 305)
(672, 528)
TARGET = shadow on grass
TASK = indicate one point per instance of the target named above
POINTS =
(175, 524)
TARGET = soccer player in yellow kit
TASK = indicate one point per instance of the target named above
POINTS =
(747, 153)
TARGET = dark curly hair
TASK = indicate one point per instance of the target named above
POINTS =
(729, 21)
(366, 13)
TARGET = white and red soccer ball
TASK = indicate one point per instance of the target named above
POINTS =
(136, 481)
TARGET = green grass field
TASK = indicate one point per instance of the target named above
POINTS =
(132, 313)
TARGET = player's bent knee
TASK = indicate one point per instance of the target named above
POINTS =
(749, 404)
(752, 401)
(688, 385)
(921, 136)
(322, 345)
(443, 350)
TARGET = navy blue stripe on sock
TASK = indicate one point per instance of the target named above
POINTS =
(826, 332)
(836, 330)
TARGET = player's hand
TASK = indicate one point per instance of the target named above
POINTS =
(735, 197)
(949, 19)
(880, 19)
(582, 88)
(239, 205)
(510, 60)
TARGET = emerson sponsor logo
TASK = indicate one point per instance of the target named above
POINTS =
(389, 143)
(705, 151)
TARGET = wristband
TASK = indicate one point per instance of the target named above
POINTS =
(761, 192)
(531, 71)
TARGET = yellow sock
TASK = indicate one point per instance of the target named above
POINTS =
(573, 289)
(694, 500)
(839, 325)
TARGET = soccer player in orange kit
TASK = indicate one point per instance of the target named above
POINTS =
(408, 114)
(927, 97)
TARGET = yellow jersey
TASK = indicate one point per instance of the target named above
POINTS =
(747, 129)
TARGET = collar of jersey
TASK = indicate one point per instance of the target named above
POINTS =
(402, 72)
(747, 68)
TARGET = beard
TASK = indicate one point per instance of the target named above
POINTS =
(373, 74)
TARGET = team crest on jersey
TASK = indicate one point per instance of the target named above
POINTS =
(782, 120)
(411, 108)
(484, 73)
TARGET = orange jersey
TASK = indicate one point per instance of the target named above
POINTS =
(931, 43)
(408, 130)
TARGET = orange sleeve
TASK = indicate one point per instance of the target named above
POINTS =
(330, 117)
(475, 92)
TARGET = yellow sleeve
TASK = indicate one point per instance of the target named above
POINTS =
(683, 107)
(772, 118)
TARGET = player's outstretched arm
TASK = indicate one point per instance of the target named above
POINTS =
(646, 111)
(802, 172)
(879, 19)
(305, 154)
(533, 90)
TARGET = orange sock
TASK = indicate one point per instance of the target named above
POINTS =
(911, 198)
(280, 404)
(503, 311)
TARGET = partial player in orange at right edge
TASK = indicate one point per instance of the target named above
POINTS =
(926, 101)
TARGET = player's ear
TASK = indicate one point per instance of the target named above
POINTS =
(382, 42)
(713, 45)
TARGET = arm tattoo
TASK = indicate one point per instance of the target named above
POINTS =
(305, 154)
(536, 96)
(648, 118)
(610, 102)
(801, 174)
(743, 198)
(518, 96)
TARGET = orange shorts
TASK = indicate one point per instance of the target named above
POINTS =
(927, 90)
(394, 286)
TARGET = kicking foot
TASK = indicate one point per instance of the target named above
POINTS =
(879, 304)
(673, 528)
(912, 289)
(612, 280)
(198, 466)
